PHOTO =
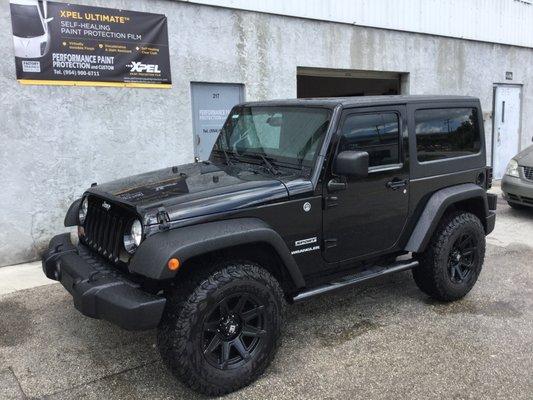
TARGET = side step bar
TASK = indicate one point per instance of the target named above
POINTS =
(357, 278)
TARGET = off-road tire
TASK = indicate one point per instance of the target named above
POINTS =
(433, 274)
(180, 336)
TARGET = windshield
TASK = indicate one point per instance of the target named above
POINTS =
(284, 135)
(26, 21)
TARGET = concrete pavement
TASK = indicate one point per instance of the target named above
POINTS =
(383, 340)
(22, 276)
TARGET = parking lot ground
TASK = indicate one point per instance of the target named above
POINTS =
(382, 340)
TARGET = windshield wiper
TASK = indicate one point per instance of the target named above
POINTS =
(228, 160)
(271, 168)
(226, 156)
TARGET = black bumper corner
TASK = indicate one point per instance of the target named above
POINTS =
(492, 201)
(100, 290)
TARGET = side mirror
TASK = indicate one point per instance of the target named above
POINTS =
(351, 163)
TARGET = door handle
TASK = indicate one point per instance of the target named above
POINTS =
(396, 184)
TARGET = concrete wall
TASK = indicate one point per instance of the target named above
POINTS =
(55, 141)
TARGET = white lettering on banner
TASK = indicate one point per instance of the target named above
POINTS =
(137, 66)
(213, 115)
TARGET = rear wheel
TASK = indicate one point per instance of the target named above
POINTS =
(221, 330)
(452, 262)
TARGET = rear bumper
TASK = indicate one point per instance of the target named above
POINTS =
(516, 190)
(98, 289)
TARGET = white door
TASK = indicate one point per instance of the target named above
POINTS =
(211, 104)
(506, 140)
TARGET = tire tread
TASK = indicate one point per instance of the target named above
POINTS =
(181, 312)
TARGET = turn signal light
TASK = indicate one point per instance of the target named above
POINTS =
(173, 264)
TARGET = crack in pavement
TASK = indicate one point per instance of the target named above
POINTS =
(11, 386)
(48, 396)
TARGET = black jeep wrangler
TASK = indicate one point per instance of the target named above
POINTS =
(298, 198)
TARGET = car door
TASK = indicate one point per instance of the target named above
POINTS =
(365, 216)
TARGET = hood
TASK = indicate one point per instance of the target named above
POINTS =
(192, 190)
(525, 157)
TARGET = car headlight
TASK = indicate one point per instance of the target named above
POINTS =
(512, 168)
(82, 213)
(133, 237)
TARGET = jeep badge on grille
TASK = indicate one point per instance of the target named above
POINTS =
(106, 205)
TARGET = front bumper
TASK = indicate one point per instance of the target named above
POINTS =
(516, 190)
(100, 290)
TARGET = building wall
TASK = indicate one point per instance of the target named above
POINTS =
(56, 141)
(495, 21)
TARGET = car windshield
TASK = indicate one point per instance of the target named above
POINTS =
(289, 136)
(26, 21)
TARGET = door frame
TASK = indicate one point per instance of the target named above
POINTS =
(242, 99)
(403, 165)
(495, 86)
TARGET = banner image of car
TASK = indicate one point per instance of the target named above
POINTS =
(68, 44)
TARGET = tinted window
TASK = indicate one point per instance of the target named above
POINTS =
(446, 133)
(377, 134)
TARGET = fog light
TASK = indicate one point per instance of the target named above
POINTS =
(173, 264)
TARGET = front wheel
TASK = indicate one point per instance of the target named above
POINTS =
(452, 262)
(221, 332)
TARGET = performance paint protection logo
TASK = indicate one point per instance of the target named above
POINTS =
(140, 67)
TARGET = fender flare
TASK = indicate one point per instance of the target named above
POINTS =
(435, 208)
(71, 217)
(150, 259)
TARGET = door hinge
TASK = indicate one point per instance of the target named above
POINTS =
(330, 202)
(163, 219)
(330, 243)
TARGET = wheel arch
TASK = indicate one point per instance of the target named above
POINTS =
(249, 238)
(468, 197)
(261, 253)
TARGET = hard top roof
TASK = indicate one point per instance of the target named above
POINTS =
(356, 101)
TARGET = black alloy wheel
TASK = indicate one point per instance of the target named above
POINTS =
(222, 325)
(462, 258)
(233, 331)
(452, 261)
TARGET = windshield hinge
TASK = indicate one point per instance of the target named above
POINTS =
(163, 219)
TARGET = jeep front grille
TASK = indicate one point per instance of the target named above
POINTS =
(104, 228)
(528, 173)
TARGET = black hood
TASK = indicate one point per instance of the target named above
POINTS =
(192, 190)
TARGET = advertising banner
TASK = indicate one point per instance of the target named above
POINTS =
(68, 44)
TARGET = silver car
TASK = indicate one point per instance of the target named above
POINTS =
(517, 184)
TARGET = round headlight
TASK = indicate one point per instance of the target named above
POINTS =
(82, 213)
(132, 238)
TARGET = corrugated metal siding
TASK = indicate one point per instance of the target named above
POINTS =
(498, 21)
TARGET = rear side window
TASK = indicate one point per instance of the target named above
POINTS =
(446, 133)
(377, 134)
